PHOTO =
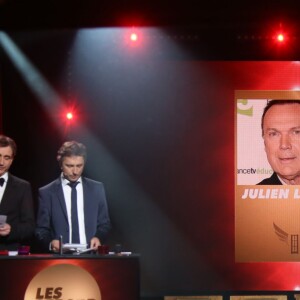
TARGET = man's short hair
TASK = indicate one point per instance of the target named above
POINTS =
(71, 148)
(6, 141)
(273, 102)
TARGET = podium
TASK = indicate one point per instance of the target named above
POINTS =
(115, 277)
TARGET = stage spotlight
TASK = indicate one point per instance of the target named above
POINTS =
(133, 37)
(280, 37)
(69, 115)
(282, 34)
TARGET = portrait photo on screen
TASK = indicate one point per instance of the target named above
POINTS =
(267, 189)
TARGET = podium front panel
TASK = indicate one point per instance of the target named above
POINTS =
(116, 277)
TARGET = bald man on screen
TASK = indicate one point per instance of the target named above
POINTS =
(281, 133)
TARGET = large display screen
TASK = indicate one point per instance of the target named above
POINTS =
(267, 204)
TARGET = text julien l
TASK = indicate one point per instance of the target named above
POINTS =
(271, 193)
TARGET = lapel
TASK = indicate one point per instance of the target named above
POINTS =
(9, 191)
(86, 207)
(275, 180)
(60, 196)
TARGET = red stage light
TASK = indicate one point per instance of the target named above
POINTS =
(280, 37)
(69, 115)
(133, 37)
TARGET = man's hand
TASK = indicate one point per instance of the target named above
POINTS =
(5, 229)
(55, 245)
(95, 242)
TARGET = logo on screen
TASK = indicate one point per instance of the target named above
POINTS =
(63, 282)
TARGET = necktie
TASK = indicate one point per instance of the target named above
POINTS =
(74, 216)
(2, 180)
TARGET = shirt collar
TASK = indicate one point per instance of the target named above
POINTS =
(66, 181)
(5, 176)
(283, 183)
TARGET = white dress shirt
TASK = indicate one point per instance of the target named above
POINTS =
(3, 187)
(80, 208)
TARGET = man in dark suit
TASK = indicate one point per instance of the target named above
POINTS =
(281, 133)
(79, 219)
(15, 201)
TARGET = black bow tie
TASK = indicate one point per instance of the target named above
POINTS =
(2, 180)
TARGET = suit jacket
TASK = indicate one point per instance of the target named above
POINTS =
(17, 205)
(52, 219)
(273, 180)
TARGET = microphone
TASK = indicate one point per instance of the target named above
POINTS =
(60, 245)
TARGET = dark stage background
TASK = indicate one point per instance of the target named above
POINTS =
(158, 120)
